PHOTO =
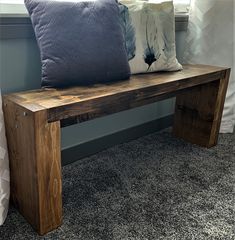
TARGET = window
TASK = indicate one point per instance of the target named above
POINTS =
(182, 1)
(12, 7)
(181, 6)
(12, 1)
(17, 6)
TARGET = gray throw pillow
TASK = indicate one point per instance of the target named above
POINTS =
(81, 42)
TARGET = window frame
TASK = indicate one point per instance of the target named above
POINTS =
(16, 7)
(17, 24)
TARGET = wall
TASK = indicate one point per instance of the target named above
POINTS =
(20, 70)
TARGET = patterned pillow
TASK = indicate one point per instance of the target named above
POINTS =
(81, 42)
(149, 31)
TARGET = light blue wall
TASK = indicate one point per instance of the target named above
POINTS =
(20, 70)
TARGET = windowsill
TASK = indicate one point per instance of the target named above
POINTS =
(13, 10)
(16, 24)
(180, 15)
(19, 10)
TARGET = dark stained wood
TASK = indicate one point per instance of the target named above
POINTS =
(35, 166)
(48, 156)
(34, 118)
(219, 107)
(199, 110)
(91, 100)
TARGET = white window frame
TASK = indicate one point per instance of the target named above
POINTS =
(15, 22)
(182, 6)
(12, 8)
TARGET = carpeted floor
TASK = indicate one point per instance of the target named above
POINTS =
(155, 187)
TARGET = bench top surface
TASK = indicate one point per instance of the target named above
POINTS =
(160, 83)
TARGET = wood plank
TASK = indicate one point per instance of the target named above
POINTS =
(199, 110)
(48, 156)
(122, 100)
(166, 82)
(109, 107)
(23, 184)
(219, 107)
(35, 166)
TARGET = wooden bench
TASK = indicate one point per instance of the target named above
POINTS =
(34, 118)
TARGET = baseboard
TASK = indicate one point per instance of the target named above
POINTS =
(75, 153)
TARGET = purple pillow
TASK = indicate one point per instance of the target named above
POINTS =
(80, 42)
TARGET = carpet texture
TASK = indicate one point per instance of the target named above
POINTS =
(155, 187)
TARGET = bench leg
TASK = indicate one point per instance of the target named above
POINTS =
(35, 166)
(199, 110)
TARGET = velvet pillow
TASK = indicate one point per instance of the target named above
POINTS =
(81, 42)
(149, 31)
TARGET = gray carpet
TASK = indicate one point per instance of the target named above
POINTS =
(155, 187)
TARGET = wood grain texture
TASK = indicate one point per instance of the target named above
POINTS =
(35, 166)
(199, 110)
(219, 106)
(102, 99)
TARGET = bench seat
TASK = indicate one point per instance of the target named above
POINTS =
(34, 118)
